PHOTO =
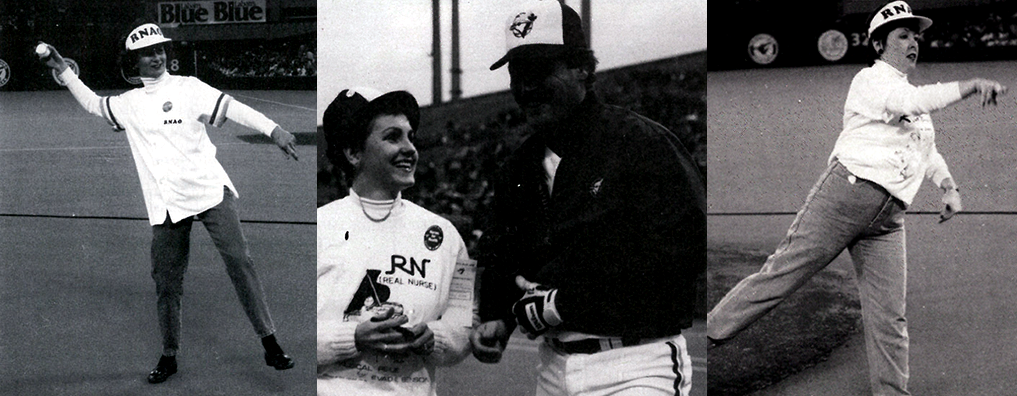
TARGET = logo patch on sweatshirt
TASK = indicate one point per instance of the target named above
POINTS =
(166, 107)
(433, 238)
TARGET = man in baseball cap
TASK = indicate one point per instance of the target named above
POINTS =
(181, 179)
(557, 32)
(599, 228)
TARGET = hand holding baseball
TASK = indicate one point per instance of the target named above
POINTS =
(420, 338)
(380, 334)
(50, 57)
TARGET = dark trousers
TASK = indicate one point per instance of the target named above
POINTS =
(170, 250)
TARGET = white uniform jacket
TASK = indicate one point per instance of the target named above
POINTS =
(165, 125)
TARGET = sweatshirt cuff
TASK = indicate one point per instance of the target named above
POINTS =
(451, 343)
(336, 341)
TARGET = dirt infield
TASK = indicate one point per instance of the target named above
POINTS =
(78, 303)
(769, 135)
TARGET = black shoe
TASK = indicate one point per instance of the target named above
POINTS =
(167, 366)
(278, 360)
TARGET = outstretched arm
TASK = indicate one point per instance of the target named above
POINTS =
(83, 94)
(251, 118)
(929, 98)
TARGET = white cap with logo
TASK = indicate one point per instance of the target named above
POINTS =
(542, 28)
(144, 36)
(896, 11)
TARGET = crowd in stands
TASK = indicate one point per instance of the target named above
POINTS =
(974, 30)
(294, 57)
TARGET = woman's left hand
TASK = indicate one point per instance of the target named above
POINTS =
(952, 200)
(285, 141)
(421, 339)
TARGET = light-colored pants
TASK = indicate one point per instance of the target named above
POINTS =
(840, 212)
(662, 367)
(170, 249)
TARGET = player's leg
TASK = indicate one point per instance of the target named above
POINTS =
(881, 269)
(659, 368)
(551, 371)
(170, 250)
(838, 208)
(223, 225)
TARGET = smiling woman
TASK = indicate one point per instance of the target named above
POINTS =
(407, 321)
(387, 159)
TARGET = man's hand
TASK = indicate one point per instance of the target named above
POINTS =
(536, 311)
(489, 339)
(284, 140)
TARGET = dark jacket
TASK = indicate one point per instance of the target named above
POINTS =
(623, 236)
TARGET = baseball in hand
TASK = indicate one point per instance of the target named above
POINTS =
(42, 50)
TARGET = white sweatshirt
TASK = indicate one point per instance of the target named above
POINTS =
(888, 136)
(408, 260)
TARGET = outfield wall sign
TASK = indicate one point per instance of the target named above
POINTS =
(211, 12)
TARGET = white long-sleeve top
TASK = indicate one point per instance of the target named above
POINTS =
(408, 260)
(165, 125)
(888, 136)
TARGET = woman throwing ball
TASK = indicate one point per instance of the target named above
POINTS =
(885, 151)
(181, 179)
(394, 280)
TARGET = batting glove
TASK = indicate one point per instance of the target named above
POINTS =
(536, 311)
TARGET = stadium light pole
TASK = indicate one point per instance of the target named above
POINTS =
(436, 53)
(457, 71)
(587, 22)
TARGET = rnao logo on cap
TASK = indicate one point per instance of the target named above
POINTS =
(144, 36)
